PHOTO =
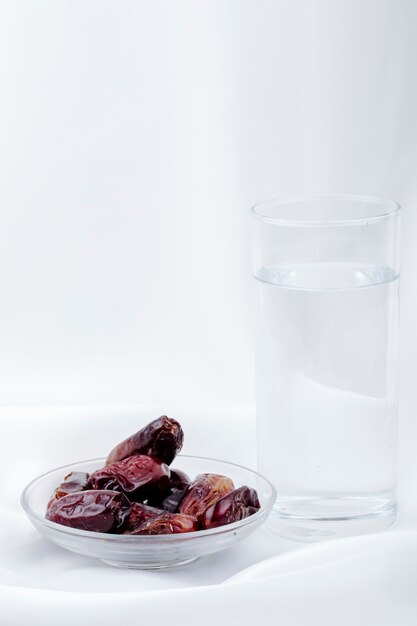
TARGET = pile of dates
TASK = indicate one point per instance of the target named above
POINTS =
(137, 493)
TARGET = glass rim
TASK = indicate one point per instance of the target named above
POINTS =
(389, 208)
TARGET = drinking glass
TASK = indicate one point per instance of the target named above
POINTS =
(327, 275)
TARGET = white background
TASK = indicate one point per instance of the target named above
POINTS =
(135, 135)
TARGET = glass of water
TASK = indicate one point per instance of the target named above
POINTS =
(327, 276)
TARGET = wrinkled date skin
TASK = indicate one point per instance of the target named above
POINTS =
(99, 511)
(166, 524)
(204, 491)
(161, 439)
(136, 476)
(73, 482)
(139, 513)
(234, 506)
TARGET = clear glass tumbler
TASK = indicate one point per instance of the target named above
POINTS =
(327, 276)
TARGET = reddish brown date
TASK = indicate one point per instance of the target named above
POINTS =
(166, 524)
(73, 482)
(139, 513)
(170, 501)
(99, 511)
(161, 439)
(234, 506)
(136, 476)
(204, 491)
(179, 479)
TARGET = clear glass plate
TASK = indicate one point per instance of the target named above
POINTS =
(148, 551)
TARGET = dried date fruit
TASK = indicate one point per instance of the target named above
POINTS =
(137, 493)
(166, 524)
(73, 482)
(170, 500)
(99, 511)
(137, 476)
(139, 513)
(234, 506)
(161, 439)
(204, 491)
(179, 479)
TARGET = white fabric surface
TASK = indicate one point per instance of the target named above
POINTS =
(369, 580)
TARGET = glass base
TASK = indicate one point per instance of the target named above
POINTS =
(317, 518)
(147, 565)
